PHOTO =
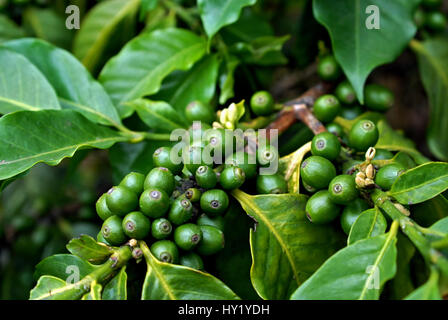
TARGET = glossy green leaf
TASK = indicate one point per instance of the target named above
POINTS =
(116, 289)
(265, 51)
(199, 83)
(441, 225)
(146, 6)
(360, 49)
(157, 115)
(421, 183)
(433, 63)
(74, 86)
(402, 284)
(216, 14)
(23, 86)
(98, 28)
(46, 24)
(148, 59)
(429, 290)
(126, 157)
(429, 212)
(9, 29)
(227, 79)
(64, 266)
(286, 247)
(47, 136)
(95, 291)
(355, 272)
(369, 224)
(52, 288)
(166, 281)
(88, 249)
(391, 140)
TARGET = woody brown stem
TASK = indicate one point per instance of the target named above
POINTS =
(298, 109)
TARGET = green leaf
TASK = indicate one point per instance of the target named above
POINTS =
(265, 51)
(74, 86)
(23, 85)
(98, 28)
(157, 115)
(126, 157)
(146, 6)
(88, 249)
(165, 281)
(369, 224)
(227, 79)
(391, 140)
(199, 83)
(52, 288)
(402, 284)
(421, 183)
(9, 29)
(116, 289)
(286, 247)
(216, 14)
(431, 211)
(148, 59)
(47, 136)
(433, 64)
(355, 272)
(64, 266)
(46, 24)
(429, 290)
(95, 291)
(441, 225)
(358, 49)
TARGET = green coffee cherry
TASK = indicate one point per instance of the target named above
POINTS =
(161, 228)
(102, 209)
(328, 68)
(160, 178)
(343, 189)
(199, 111)
(378, 98)
(181, 211)
(325, 145)
(383, 154)
(267, 154)
(351, 113)
(165, 251)
(192, 260)
(214, 202)
(262, 103)
(436, 21)
(326, 108)
(386, 176)
(335, 129)
(363, 135)
(187, 236)
(206, 177)
(217, 222)
(154, 203)
(212, 241)
(216, 140)
(232, 178)
(162, 158)
(136, 225)
(317, 172)
(193, 194)
(351, 212)
(244, 161)
(121, 200)
(345, 93)
(112, 231)
(134, 181)
(100, 238)
(271, 184)
(320, 209)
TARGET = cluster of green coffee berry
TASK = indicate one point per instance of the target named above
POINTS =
(341, 195)
(429, 16)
